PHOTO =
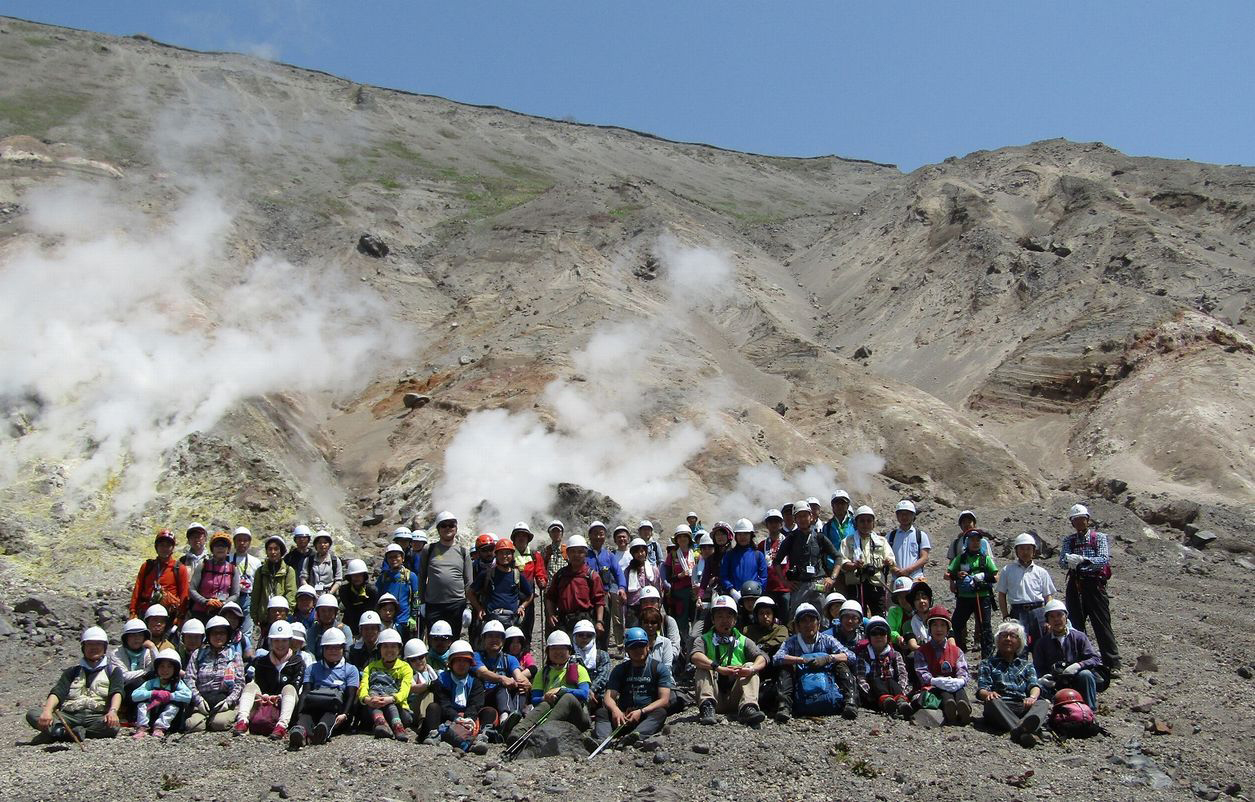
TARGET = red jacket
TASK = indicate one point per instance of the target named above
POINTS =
(166, 585)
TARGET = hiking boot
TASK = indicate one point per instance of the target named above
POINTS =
(783, 715)
(58, 732)
(707, 713)
(432, 739)
(1026, 739)
(494, 735)
(510, 721)
(905, 709)
(849, 711)
(240, 728)
(140, 735)
(480, 745)
(590, 743)
(949, 711)
(382, 730)
(963, 709)
(279, 732)
(751, 716)
(399, 733)
(296, 739)
(888, 706)
(320, 734)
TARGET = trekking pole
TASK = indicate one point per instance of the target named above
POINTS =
(609, 738)
(513, 749)
(70, 730)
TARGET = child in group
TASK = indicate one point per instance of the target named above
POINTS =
(363, 649)
(884, 681)
(134, 660)
(832, 610)
(388, 609)
(562, 685)
(385, 688)
(973, 575)
(162, 697)
(942, 670)
(848, 630)
(516, 647)
(191, 636)
(504, 681)
(457, 714)
(298, 644)
(157, 620)
(421, 688)
(304, 612)
(439, 641)
(241, 641)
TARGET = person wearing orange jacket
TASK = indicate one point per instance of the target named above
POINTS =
(161, 580)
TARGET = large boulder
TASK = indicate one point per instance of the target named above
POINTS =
(553, 739)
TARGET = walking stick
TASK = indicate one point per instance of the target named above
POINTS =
(69, 729)
(606, 742)
(513, 749)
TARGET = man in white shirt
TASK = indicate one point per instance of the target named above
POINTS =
(911, 546)
(1024, 588)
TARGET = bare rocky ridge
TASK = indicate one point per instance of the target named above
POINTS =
(1011, 331)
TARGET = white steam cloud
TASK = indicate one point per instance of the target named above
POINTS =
(510, 463)
(761, 487)
(116, 344)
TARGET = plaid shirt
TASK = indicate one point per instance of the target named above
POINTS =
(1011, 679)
(1092, 546)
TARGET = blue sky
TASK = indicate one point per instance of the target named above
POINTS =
(907, 82)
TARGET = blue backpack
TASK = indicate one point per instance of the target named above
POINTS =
(816, 692)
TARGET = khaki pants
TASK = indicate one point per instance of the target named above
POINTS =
(287, 703)
(215, 722)
(744, 691)
(615, 630)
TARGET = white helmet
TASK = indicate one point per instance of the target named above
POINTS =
(772, 513)
(280, 629)
(555, 524)
(301, 530)
(644, 525)
(594, 525)
(805, 609)
(493, 627)
(864, 510)
(217, 622)
(306, 590)
(327, 600)
(852, 606)
(193, 626)
(576, 542)
(811, 501)
(278, 602)
(402, 531)
(839, 493)
(682, 529)
(902, 584)
(242, 530)
(444, 517)
(743, 525)
(355, 567)
(156, 611)
(393, 548)
(833, 597)
(514, 632)
(691, 514)
(636, 541)
(463, 648)
(322, 533)
(724, 603)
(801, 505)
(585, 627)
(1077, 511)
(298, 631)
(1054, 606)
(414, 648)
(649, 592)
(441, 629)
(704, 539)
(389, 636)
(387, 598)
(332, 637)
(905, 505)
(418, 537)
(94, 634)
(169, 654)
(132, 626)
(370, 618)
(966, 514)
(1024, 540)
(558, 638)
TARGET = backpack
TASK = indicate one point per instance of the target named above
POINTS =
(1073, 720)
(815, 691)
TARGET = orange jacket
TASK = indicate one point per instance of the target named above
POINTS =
(166, 585)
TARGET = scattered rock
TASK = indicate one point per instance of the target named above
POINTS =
(1201, 539)
(1143, 704)
(554, 738)
(1175, 513)
(6, 628)
(1159, 727)
(1020, 780)
(465, 360)
(32, 604)
(1145, 663)
(416, 400)
(1243, 671)
(781, 408)
(281, 790)
(660, 758)
(1147, 771)
(863, 352)
(928, 719)
(701, 749)
(372, 245)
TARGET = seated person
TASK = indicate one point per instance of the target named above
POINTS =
(161, 697)
(86, 698)
(385, 689)
(1007, 684)
(884, 680)
(215, 675)
(516, 647)
(561, 685)
(1064, 657)
(421, 695)
(727, 666)
(456, 715)
(328, 694)
(595, 661)
(363, 649)
(637, 696)
(809, 650)
(275, 682)
(134, 660)
(504, 682)
(942, 670)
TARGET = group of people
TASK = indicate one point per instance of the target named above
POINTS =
(814, 617)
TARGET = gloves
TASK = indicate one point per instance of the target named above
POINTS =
(202, 707)
(1047, 683)
(160, 697)
(735, 594)
(948, 684)
(1073, 560)
(1072, 669)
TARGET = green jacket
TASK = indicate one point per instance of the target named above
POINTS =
(978, 563)
(269, 582)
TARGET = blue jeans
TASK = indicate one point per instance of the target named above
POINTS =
(1083, 681)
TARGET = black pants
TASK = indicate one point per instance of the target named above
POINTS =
(435, 717)
(983, 608)
(450, 613)
(650, 724)
(1002, 715)
(1087, 600)
(957, 696)
(870, 595)
(1033, 618)
(880, 688)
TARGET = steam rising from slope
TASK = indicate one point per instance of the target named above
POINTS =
(760, 487)
(113, 352)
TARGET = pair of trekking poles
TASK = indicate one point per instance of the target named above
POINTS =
(515, 749)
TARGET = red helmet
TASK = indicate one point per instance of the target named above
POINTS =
(164, 534)
(484, 540)
(1067, 696)
(938, 613)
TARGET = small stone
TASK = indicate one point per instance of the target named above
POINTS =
(416, 400)
(1142, 704)
(281, 790)
(1243, 671)
(1233, 789)
(1145, 663)
(928, 719)
(372, 245)
(465, 360)
(660, 758)
(718, 785)
(781, 408)
(863, 352)
(1201, 539)
(701, 749)
(1159, 727)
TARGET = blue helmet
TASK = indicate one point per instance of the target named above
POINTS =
(634, 636)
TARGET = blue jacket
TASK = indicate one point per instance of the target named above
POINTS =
(402, 583)
(836, 531)
(340, 676)
(606, 563)
(740, 564)
(180, 694)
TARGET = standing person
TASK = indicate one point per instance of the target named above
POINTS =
(622, 537)
(1007, 684)
(323, 569)
(606, 564)
(777, 586)
(501, 593)
(161, 580)
(743, 562)
(942, 669)
(805, 548)
(1086, 556)
(214, 580)
(974, 573)
(786, 512)
(653, 551)
(533, 567)
(418, 551)
(274, 577)
(967, 524)
(910, 545)
(693, 522)
(195, 551)
(866, 558)
(575, 593)
(87, 696)
(839, 526)
(328, 694)
(246, 566)
(403, 584)
(554, 552)
(446, 575)
(638, 693)
(678, 575)
(1024, 588)
(356, 595)
(727, 666)
(705, 581)
(639, 574)
(301, 551)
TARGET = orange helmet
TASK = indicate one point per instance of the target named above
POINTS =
(503, 544)
(1068, 696)
(484, 540)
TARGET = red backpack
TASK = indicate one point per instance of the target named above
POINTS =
(1073, 720)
